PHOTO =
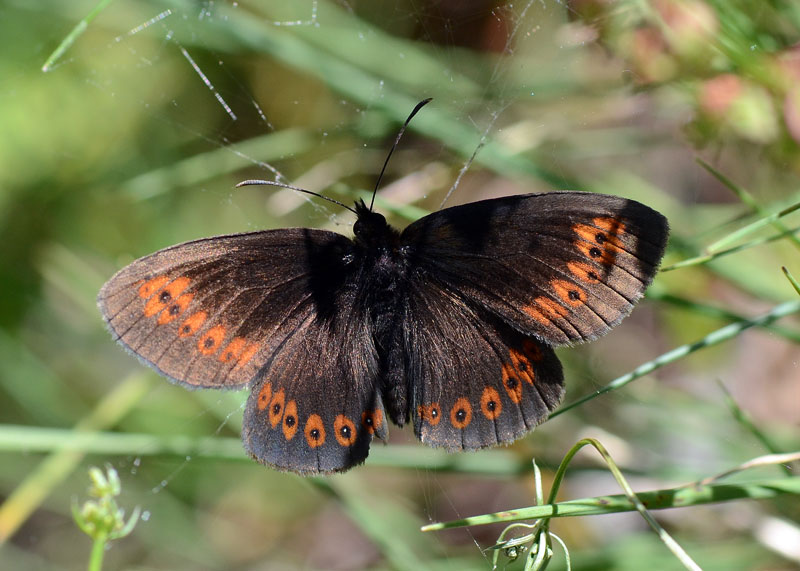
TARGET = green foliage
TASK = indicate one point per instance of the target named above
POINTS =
(102, 520)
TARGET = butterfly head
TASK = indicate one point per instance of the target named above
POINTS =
(371, 228)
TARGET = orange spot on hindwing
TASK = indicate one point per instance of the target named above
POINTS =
(276, 405)
(430, 413)
(247, 354)
(212, 340)
(192, 324)
(345, 430)
(264, 396)
(372, 420)
(521, 363)
(491, 406)
(520, 369)
(232, 350)
(150, 287)
(461, 413)
(511, 383)
(315, 431)
(290, 420)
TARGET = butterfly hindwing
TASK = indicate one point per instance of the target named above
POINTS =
(315, 406)
(562, 266)
(476, 381)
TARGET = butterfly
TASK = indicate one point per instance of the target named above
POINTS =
(448, 325)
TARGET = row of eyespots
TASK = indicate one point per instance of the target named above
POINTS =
(171, 301)
(285, 413)
(601, 243)
(520, 368)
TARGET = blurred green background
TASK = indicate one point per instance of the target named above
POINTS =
(134, 139)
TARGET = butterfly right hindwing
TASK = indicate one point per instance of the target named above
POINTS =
(475, 382)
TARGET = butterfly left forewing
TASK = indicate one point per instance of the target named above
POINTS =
(209, 313)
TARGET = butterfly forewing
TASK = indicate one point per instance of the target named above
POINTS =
(208, 313)
(563, 266)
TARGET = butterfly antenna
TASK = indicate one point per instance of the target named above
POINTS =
(419, 106)
(258, 182)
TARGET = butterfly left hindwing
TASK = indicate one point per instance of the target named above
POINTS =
(315, 405)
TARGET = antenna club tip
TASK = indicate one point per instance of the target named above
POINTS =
(251, 182)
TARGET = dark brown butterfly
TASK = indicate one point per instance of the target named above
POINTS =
(448, 325)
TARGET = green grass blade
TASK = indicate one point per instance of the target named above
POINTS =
(691, 495)
(73, 36)
(714, 338)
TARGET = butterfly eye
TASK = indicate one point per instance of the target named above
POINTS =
(369, 224)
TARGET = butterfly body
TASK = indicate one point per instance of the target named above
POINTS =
(447, 325)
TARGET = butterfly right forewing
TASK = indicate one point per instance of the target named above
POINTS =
(564, 266)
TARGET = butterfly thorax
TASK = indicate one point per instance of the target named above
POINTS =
(377, 247)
